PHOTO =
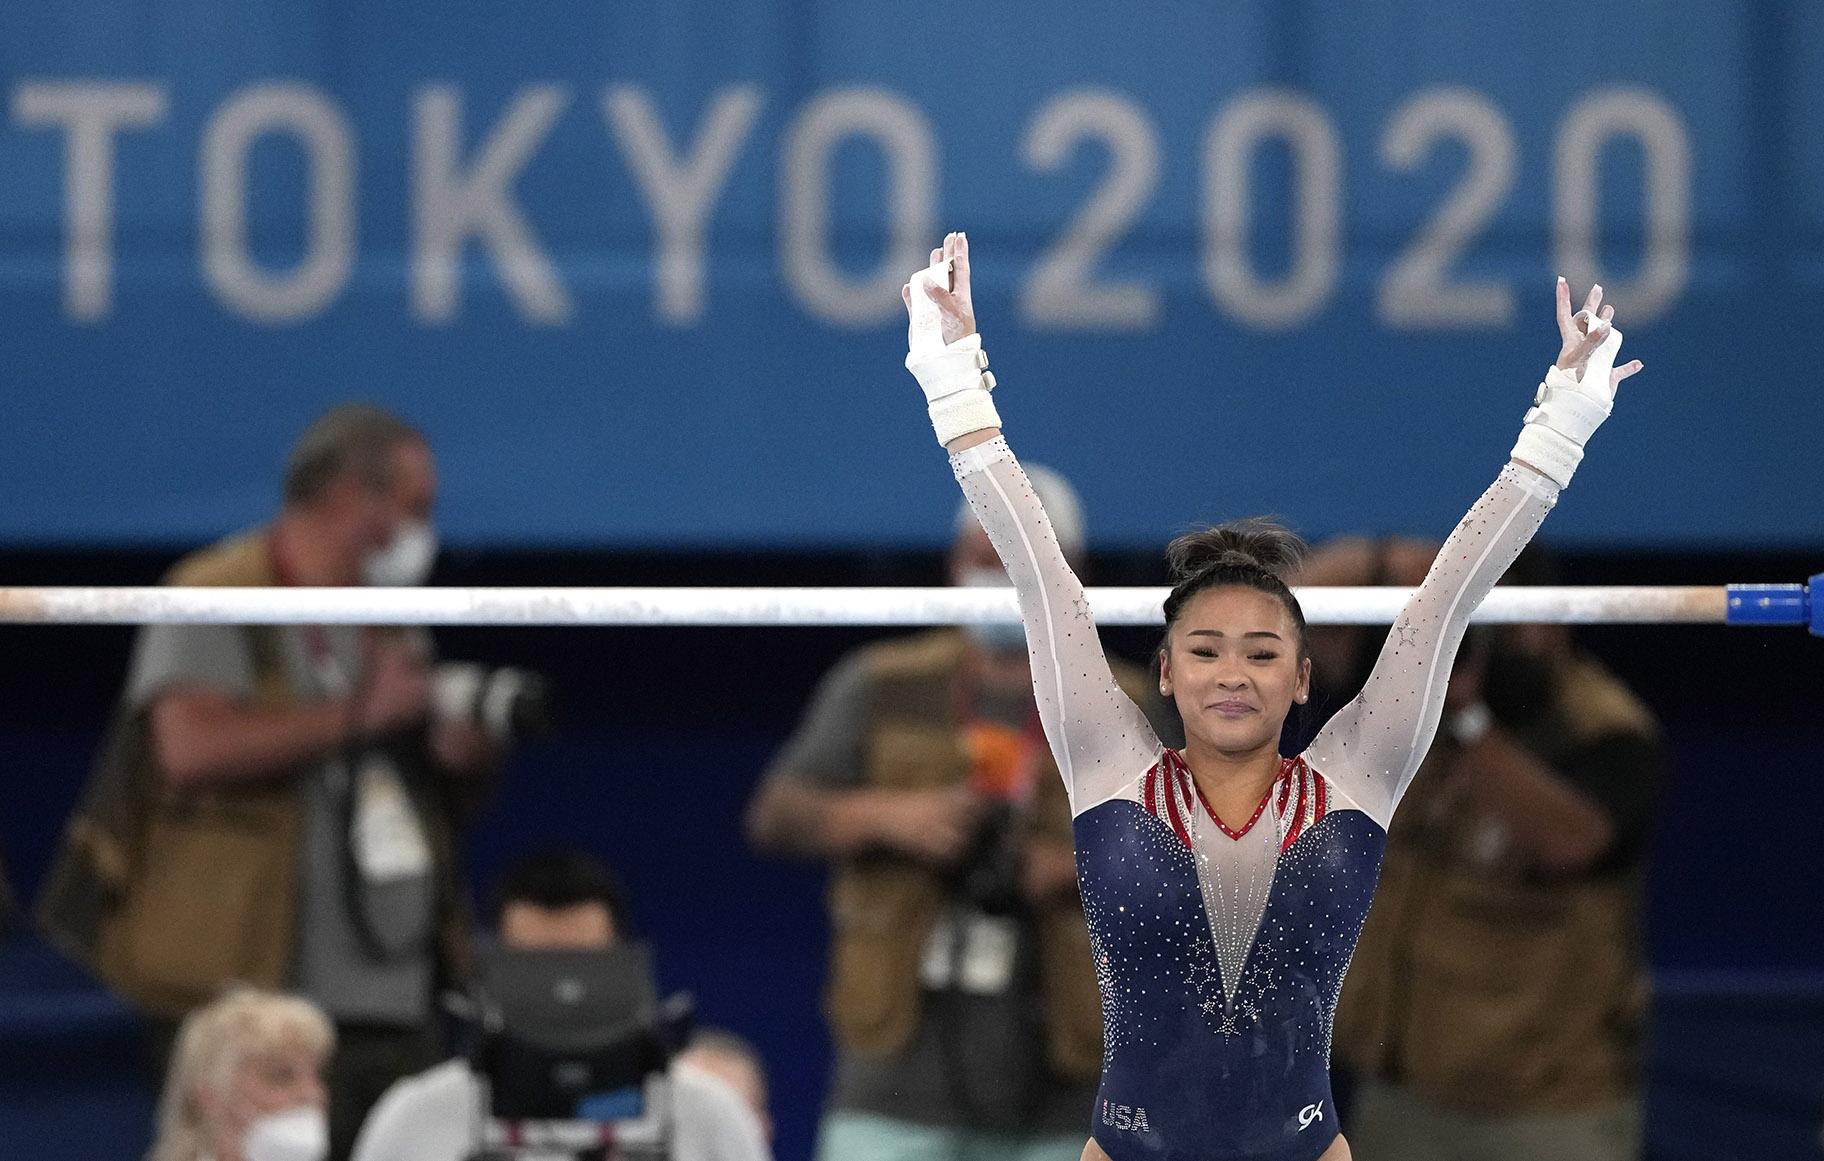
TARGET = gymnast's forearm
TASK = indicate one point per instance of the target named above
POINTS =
(1094, 730)
(1373, 747)
(973, 439)
(1071, 676)
(1412, 672)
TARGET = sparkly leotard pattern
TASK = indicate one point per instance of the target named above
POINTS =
(1220, 953)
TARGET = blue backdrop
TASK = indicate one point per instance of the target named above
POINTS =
(634, 265)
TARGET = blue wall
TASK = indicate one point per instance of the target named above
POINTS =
(1314, 247)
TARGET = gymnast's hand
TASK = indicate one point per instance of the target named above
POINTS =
(1578, 392)
(944, 352)
(955, 306)
(1583, 333)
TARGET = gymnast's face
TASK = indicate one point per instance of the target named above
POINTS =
(1232, 664)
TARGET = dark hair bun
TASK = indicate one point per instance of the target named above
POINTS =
(1258, 543)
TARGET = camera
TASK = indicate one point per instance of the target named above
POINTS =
(507, 704)
(572, 1043)
(988, 876)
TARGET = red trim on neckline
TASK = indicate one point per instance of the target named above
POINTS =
(1183, 771)
(1179, 824)
(1298, 815)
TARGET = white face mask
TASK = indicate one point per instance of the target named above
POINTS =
(406, 561)
(994, 637)
(300, 1134)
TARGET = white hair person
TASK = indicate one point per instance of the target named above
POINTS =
(246, 1082)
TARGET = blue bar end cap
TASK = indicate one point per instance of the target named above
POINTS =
(1773, 605)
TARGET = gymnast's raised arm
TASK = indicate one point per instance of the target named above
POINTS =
(1373, 746)
(1100, 738)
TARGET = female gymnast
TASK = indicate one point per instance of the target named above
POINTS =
(1225, 885)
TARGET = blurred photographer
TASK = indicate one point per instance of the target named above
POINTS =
(961, 990)
(278, 805)
(572, 1042)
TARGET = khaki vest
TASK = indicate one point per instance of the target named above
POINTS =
(170, 893)
(883, 909)
(1488, 989)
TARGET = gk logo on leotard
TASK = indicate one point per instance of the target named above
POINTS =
(1125, 1118)
(1308, 1114)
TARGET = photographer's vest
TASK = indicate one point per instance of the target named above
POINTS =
(883, 907)
(1484, 987)
(169, 893)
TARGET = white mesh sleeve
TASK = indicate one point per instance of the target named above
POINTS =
(1100, 738)
(1372, 747)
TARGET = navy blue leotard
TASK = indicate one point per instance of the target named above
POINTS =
(1221, 953)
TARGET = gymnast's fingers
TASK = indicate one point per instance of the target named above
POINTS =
(959, 268)
(1594, 301)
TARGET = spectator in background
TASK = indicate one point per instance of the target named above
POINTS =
(1494, 1008)
(961, 993)
(737, 1063)
(276, 804)
(560, 898)
(556, 901)
(246, 1082)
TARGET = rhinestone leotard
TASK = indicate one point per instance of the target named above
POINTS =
(1221, 953)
